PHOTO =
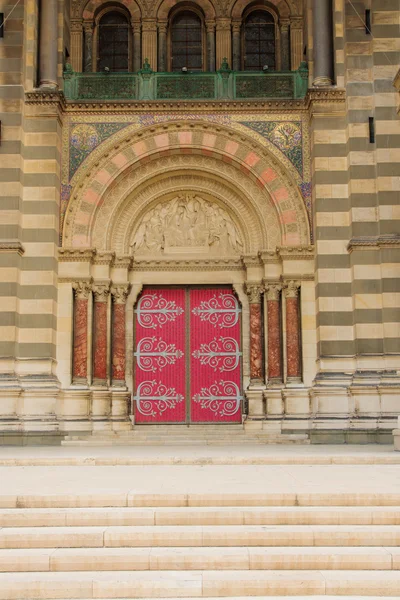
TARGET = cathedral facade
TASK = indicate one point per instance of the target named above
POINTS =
(199, 217)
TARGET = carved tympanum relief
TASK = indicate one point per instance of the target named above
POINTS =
(187, 223)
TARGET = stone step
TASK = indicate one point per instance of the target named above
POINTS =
(199, 500)
(190, 584)
(199, 536)
(175, 440)
(117, 516)
(194, 558)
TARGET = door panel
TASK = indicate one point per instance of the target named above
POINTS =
(215, 356)
(160, 367)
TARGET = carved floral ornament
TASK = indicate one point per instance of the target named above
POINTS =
(101, 291)
(254, 291)
(187, 223)
(82, 289)
(120, 292)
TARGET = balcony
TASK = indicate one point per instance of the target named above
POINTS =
(221, 85)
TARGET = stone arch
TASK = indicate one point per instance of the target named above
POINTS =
(279, 8)
(92, 6)
(164, 7)
(270, 182)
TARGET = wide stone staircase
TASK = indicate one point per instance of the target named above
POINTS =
(175, 435)
(199, 545)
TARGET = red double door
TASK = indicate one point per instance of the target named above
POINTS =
(187, 356)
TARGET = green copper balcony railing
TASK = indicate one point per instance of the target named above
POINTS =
(221, 85)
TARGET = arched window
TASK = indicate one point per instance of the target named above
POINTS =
(113, 37)
(259, 41)
(186, 42)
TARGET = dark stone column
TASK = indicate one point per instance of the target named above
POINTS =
(210, 25)
(236, 62)
(285, 45)
(48, 44)
(162, 46)
(137, 43)
(323, 42)
(88, 48)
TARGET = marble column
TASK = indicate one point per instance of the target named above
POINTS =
(82, 291)
(162, 46)
(274, 339)
(210, 27)
(100, 292)
(137, 63)
(323, 42)
(48, 44)
(223, 42)
(76, 45)
(119, 295)
(149, 43)
(88, 48)
(254, 292)
(293, 332)
(236, 62)
(285, 45)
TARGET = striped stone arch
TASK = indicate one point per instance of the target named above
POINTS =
(267, 191)
(89, 9)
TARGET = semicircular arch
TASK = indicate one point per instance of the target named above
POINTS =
(164, 7)
(224, 145)
(91, 7)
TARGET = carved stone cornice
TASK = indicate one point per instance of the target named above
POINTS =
(254, 290)
(46, 97)
(251, 260)
(269, 256)
(188, 265)
(12, 246)
(123, 262)
(374, 242)
(101, 290)
(272, 289)
(291, 289)
(296, 252)
(120, 292)
(82, 288)
(104, 257)
(335, 97)
(76, 254)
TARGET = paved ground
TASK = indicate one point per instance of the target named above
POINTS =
(200, 478)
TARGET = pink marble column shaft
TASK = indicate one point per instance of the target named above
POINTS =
(254, 292)
(274, 333)
(292, 331)
(101, 292)
(80, 336)
(119, 294)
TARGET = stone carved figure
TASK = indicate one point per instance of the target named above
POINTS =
(187, 222)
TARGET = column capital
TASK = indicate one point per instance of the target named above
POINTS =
(120, 292)
(291, 289)
(236, 26)
(296, 22)
(82, 289)
(254, 291)
(210, 26)
(149, 26)
(272, 290)
(101, 290)
(223, 24)
(76, 26)
(284, 24)
(162, 26)
(88, 26)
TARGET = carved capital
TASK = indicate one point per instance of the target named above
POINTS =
(149, 26)
(284, 23)
(272, 290)
(254, 291)
(210, 26)
(82, 289)
(88, 27)
(101, 289)
(223, 24)
(76, 26)
(162, 27)
(236, 26)
(120, 292)
(296, 22)
(292, 289)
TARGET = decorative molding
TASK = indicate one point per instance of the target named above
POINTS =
(104, 257)
(390, 240)
(12, 246)
(120, 292)
(76, 254)
(43, 97)
(296, 252)
(188, 265)
(303, 277)
(325, 95)
(269, 256)
(123, 262)
(251, 260)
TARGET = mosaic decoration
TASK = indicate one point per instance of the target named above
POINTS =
(285, 135)
(65, 196)
(151, 119)
(85, 137)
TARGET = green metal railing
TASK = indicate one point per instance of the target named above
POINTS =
(221, 85)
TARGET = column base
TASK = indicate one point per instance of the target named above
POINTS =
(48, 85)
(101, 410)
(322, 82)
(273, 402)
(255, 398)
(120, 409)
